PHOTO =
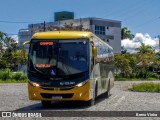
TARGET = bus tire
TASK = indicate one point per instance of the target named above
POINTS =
(108, 90)
(46, 103)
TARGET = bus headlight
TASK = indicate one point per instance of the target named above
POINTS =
(82, 83)
(34, 84)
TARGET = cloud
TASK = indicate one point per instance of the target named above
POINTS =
(139, 38)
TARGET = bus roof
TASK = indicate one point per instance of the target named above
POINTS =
(62, 35)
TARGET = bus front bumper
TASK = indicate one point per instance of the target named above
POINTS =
(76, 93)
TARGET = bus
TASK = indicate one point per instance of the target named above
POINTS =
(68, 65)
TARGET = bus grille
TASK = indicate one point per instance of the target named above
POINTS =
(65, 88)
(46, 95)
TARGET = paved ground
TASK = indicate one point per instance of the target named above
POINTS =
(14, 97)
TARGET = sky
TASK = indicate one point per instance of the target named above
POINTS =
(140, 16)
(139, 38)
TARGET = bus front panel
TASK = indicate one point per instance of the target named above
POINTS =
(59, 69)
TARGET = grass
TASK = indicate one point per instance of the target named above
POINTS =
(146, 87)
(135, 79)
(12, 81)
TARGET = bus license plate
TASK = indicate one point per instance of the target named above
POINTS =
(56, 97)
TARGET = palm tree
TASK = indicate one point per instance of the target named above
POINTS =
(144, 49)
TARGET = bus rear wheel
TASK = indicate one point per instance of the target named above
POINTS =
(108, 90)
(46, 103)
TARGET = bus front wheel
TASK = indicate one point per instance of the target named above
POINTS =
(46, 103)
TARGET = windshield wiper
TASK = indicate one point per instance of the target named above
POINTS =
(49, 59)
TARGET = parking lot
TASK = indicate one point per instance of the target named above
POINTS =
(15, 97)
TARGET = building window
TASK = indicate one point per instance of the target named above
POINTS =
(100, 30)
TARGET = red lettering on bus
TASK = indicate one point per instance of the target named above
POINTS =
(43, 65)
(46, 43)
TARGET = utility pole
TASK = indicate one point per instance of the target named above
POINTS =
(44, 26)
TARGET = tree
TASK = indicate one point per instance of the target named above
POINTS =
(146, 59)
(122, 65)
(8, 48)
(144, 49)
(2, 35)
(132, 61)
(125, 33)
(2, 38)
(123, 50)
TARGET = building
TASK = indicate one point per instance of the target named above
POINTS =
(108, 30)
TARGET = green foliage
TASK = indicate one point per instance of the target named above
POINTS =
(9, 54)
(146, 87)
(125, 64)
(142, 73)
(117, 78)
(19, 76)
(144, 49)
(5, 74)
(123, 50)
(141, 65)
(125, 33)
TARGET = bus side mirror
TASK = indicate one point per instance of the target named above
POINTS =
(24, 50)
(23, 53)
(94, 51)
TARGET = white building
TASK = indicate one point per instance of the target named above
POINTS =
(107, 30)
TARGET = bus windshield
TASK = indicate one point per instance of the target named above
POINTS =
(58, 57)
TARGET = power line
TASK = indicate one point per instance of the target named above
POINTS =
(126, 9)
(135, 8)
(147, 22)
(134, 14)
(12, 22)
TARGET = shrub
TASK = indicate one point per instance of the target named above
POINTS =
(132, 75)
(151, 74)
(19, 76)
(24, 76)
(5, 74)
